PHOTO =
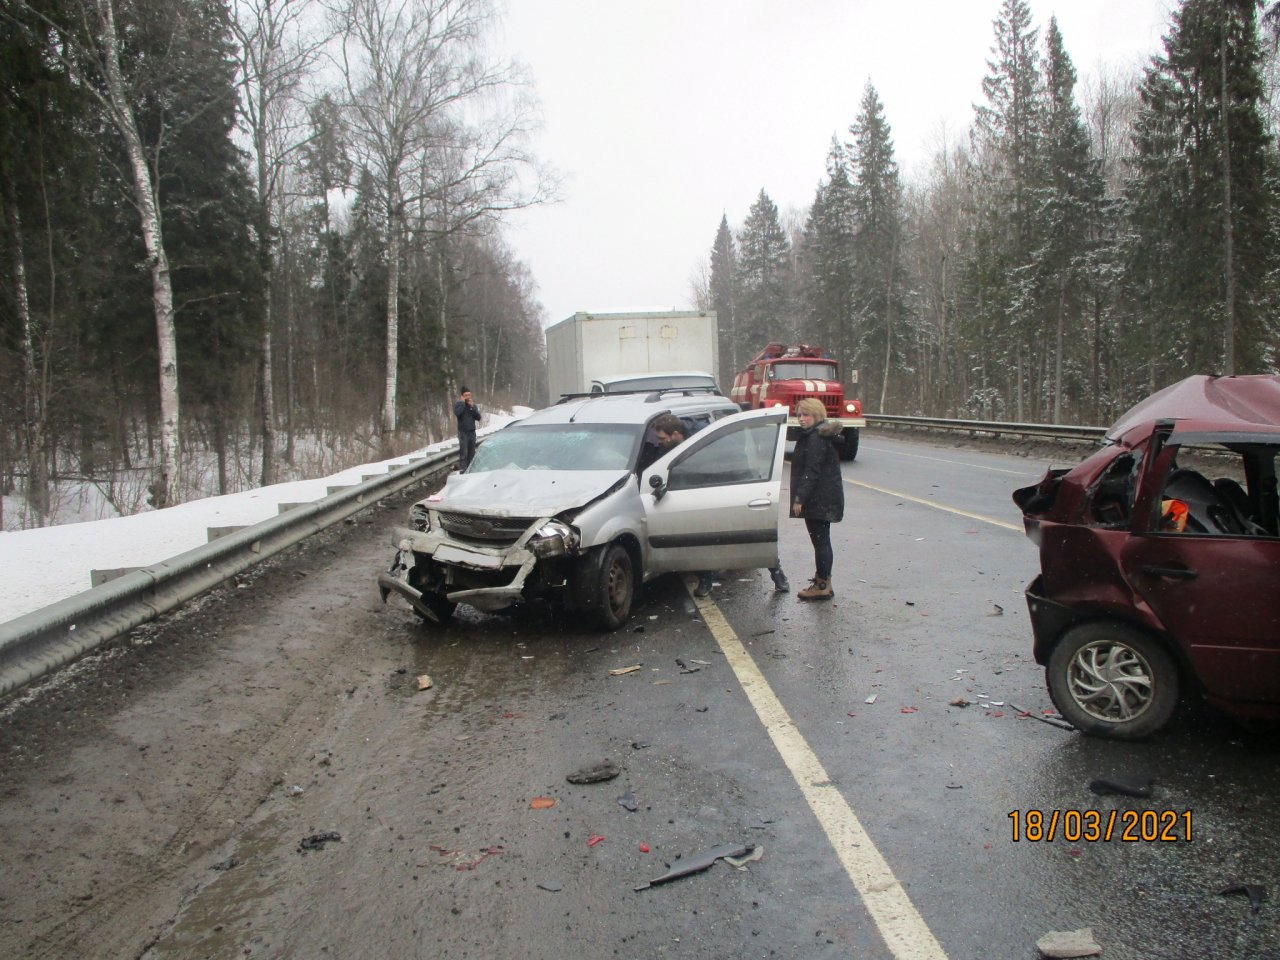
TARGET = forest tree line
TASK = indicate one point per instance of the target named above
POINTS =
(1069, 256)
(241, 233)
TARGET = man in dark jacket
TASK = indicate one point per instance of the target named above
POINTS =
(672, 431)
(468, 415)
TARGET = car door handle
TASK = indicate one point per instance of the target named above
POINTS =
(1171, 573)
(761, 502)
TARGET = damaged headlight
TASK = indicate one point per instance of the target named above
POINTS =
(419, 518)
(554, 539)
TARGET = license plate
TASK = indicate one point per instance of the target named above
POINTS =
(448, 554)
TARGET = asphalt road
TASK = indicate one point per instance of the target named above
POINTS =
(154, 800)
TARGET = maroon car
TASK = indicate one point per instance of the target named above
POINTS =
(1159, 580)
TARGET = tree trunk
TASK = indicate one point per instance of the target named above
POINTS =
(1228, 218)
(1057, 352)
(37, 487)
(393, 319)
(167, 485)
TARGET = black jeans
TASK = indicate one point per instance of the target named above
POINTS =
(820, 535)
(466, 448)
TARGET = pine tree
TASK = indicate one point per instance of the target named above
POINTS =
(1067, 205)
(828, 257)
(1202, 199)
(877, 245)
(764, 255)
(724, 302)
(1008, 132)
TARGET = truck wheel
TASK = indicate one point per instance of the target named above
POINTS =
(614, 588)
(849, 447)
(1111, 680)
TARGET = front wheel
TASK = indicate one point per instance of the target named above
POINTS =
(614, 587)
(1111, 680)
(849, 443)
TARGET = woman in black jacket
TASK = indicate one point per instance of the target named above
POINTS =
(817, 489)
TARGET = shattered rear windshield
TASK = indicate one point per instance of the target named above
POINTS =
(559, 446)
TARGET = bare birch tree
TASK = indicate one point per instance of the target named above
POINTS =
(278, 48)
(407, 65)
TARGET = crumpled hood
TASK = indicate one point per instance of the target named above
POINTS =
(524, 493)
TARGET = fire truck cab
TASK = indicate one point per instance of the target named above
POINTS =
(783, 374)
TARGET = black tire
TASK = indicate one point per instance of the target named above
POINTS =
(849, 443)
(1111, 680)
(614, 587)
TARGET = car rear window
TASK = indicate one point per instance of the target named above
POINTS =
(559, 446)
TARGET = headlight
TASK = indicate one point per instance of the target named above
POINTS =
(419, 517)
(554, 539)
(850, 408)
(778, 403)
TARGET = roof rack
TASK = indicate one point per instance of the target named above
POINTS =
(651, 393)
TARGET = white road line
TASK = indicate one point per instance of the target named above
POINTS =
(938, 506)
(900, 924)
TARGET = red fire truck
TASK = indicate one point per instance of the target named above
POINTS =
(783, 374)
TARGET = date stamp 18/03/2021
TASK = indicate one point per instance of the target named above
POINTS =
(1036, 825)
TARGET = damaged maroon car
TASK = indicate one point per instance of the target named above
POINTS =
(1160, 561)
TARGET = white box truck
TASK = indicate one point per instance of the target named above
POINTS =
(591, 346)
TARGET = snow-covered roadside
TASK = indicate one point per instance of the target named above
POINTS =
(41, 566)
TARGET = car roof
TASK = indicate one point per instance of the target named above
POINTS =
(636, 408)
(1209, 404)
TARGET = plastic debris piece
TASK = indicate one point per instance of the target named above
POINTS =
(317, 841)
(542, 803)
(996, 610)
(699, 862)
(595, 772)
(1256, 893)
(594, 839)
(961, 702)
(644, 848)
(871, 699)
(998, 713)
(705, 663)
(628, 802)
(741, 862)
(908, 710)
(425, 682)
(1048, 715)
(1068, 944)
(620, 671)
(685, 668)
(551, 886)
(1128, 788)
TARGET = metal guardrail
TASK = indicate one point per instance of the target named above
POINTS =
(45, 639)
(994, 428)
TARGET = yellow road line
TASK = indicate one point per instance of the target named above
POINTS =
(937, 506)
(899, 923)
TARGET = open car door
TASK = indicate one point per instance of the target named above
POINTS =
(712, 503)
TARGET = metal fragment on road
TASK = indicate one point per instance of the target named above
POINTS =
(624, 670)
(699, 862)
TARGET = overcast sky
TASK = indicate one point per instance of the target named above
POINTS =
(662, 115)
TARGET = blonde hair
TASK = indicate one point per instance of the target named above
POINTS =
(812, 406)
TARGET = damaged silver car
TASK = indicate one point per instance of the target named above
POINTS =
(577, 506)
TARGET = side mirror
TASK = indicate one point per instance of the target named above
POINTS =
(658, 486)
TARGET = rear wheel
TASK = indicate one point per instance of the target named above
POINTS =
(614, 587)
(1111, 680)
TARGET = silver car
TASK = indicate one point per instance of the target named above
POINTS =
(576, 505)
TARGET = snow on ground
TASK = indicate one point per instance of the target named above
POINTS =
(42, 566)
